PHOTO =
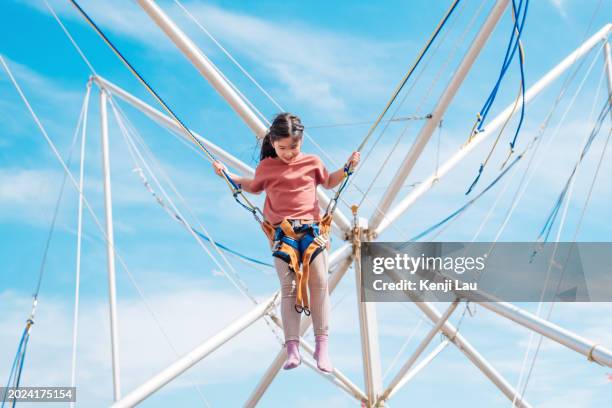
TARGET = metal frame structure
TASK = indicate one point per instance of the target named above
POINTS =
(110, 245)
(360, 229)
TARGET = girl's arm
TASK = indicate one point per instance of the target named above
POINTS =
(337, 176)
(244, 182)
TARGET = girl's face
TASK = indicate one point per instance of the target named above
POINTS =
(287, 149)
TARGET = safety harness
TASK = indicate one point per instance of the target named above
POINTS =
(299, 251)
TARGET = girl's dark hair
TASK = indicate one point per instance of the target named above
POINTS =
(284, 125)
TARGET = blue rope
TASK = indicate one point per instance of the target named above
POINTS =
(513, 45)
(232, 251)
(522, 117)
(17, 367)
(513, 42)
(466, 205)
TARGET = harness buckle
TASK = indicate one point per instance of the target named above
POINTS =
(301, 309)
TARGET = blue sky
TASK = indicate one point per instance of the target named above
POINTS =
(330, 63)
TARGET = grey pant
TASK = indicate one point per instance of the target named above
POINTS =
(319, 297)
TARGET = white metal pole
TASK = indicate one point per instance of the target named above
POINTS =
(592, 350)
(453, 335)
(417, 369)
(608, 68)
(194, 356)
(110, 246)
(472, 354)
(204, 65)
(171, 124)
(77, 285)
(342, 265)
(438, 112)
(531, 93)
(368, 330)
(400, 377)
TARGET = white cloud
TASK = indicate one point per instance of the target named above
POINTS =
(327, 70)
(189, 315)
(115, 15)
(22, 186)
(560, 6)
(35, 83)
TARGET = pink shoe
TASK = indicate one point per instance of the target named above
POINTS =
(293, 355)
(321, 355)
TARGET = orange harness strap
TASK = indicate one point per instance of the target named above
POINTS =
(301, 273)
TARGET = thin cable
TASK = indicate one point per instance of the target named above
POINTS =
(74, 43)
(546, 229)
(18, 363)
(78, 250)
(240, 286)
(527, 177)
(369, 122)
(228, 55)
(402, 348)
(409, 73)
(236, 280)
(468, 204)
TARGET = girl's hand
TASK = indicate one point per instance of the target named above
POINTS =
(353, 161)
(219, 168)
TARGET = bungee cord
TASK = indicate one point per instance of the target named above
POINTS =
(369, 122)
(543, 128)
(236, 191)
(235, 188)
(277, 104)
(423, 99)
(396, 93)
(77, 286)
(348, 169)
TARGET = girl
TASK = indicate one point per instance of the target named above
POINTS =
(290, 178)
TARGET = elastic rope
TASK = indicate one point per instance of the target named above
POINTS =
(237, 193)
(423, 99)
(409, 73)
(393, 98)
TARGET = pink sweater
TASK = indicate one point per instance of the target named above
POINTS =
(290, 187)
